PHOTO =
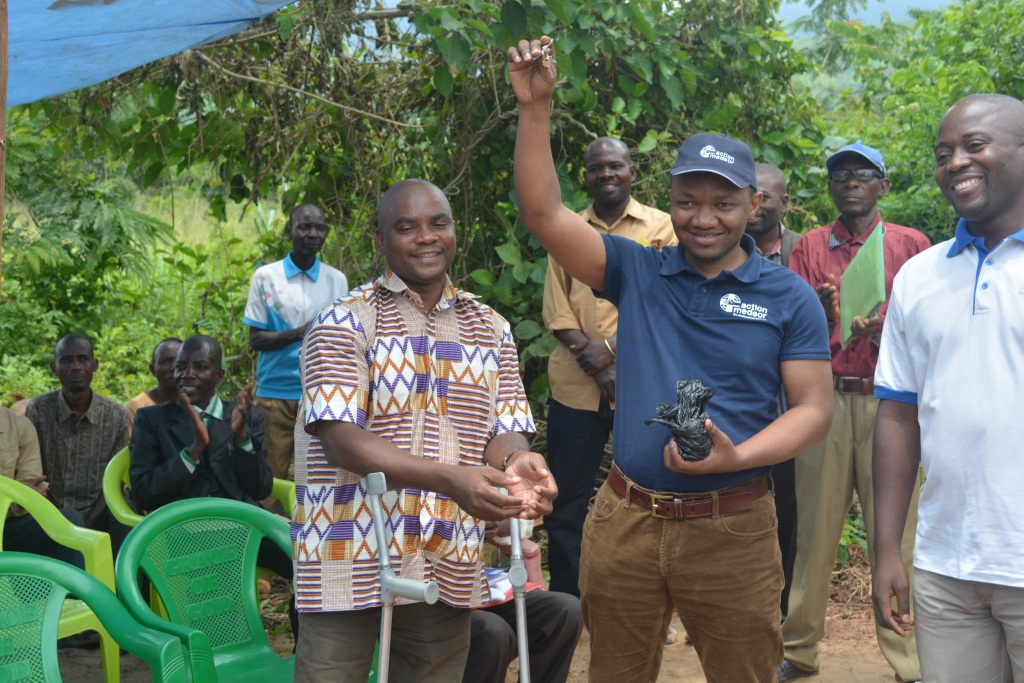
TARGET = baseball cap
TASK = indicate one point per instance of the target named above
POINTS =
(719, 154)
(869, 154)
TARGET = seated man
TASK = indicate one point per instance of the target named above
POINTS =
(553, 624)
(162, 369)
(20, 460)
(79, 432)
(201, 446)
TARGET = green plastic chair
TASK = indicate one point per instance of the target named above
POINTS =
(200, 556)
(115, 482)
(76, 617)
(33, 590)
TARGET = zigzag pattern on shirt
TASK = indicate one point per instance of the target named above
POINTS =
(486, 356)
(340, 316)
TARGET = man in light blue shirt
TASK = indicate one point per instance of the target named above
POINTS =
(283, 297)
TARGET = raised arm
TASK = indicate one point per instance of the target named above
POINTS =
(575, 245)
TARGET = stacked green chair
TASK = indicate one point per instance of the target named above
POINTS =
(33, 590)
(76, 616)
(115, 481)
(200, 556)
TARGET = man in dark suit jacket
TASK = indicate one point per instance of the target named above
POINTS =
(200, 446)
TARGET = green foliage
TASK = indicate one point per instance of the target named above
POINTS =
(853, 535)
(910, 75)
(331, 103)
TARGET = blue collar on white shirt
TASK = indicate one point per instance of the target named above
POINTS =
(964, 237)
(291, 270)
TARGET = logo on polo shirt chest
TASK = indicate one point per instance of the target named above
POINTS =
(732, 304)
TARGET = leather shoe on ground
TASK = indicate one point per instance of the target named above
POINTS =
(791, 672)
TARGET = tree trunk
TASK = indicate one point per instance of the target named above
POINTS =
(3, 131)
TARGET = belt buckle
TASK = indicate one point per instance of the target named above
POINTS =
(658, 498)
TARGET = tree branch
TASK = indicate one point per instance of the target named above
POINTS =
(318, 98)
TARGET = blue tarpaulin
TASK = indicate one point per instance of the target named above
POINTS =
(61, 45)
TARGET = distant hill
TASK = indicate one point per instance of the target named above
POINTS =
(872, 14)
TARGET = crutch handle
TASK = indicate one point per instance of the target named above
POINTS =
(517, 565)
(391, 586)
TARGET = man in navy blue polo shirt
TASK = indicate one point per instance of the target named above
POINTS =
(666, 534)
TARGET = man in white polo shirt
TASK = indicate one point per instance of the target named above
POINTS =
(949, 380)
(283, 297)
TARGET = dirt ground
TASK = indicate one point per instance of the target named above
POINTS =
(849, 652)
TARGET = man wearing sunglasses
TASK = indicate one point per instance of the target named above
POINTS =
(827, 474)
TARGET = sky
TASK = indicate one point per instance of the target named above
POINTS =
(872, 14)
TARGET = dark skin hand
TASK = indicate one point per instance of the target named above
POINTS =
(606, 383)
(530, 489)
(263, 340)
(530, 486)
(41, 486)
(239, 414)
(593, 356)
(723, 456)
(828, 295)
(590, 354)
(865, 328)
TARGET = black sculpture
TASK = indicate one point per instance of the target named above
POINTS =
(686, 419)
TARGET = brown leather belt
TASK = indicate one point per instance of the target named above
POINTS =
(732, 499)
(854, 385)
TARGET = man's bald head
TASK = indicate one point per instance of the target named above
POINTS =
(1009, 109)
(607, 143)
(201, 341)
(401, 189)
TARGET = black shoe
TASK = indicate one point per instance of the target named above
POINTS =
(791, 672)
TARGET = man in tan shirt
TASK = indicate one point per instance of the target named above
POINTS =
(581, 370)
(20, 460)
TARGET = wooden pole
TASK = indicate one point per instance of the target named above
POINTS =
(3, 131)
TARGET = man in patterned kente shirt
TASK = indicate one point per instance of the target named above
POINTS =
(409, 376)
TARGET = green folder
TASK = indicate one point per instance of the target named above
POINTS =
(862, 290)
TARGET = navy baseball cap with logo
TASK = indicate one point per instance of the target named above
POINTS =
(857, 149)
(718, 154)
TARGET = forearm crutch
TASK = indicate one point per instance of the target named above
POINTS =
(391, 586)
(517, 577)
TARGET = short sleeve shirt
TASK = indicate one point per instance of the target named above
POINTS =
(953, 345)
(571, 305)
(438, 385)
(282, 297)
(732, 332)
(19, 451)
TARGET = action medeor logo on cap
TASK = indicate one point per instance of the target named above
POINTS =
(709, 152)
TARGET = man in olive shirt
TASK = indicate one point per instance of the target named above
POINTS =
(79, 432)
(581, 371)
